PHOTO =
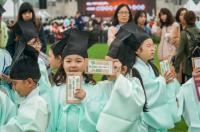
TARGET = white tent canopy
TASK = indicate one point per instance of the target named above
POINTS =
(9, 7)
(190, 5)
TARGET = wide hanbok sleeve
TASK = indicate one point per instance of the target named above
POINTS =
(32, 116)
(189, 105)
(7, 108)
(44, 83)
(172, 90)
(123, 109)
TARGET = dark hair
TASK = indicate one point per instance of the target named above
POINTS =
(115, 20)
(190, 18)
(55, 50)
(178, 13)
(28, 7)
(170, 18)
(60, 77)
(138, 14)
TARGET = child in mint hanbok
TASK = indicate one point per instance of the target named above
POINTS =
(32, 114)
(83, 117)
(161, 91)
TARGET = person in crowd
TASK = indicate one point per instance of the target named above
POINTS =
(55, 58)
(184, 52)
(122, 53)
(25, 14)
(32, 114)
(180, 20)
(55, 28)
(160, 90)
(140, 19)
(121, 16)
(169, 35)
(79, 21)
(180, 17)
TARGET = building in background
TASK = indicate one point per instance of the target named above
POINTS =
(102, 8)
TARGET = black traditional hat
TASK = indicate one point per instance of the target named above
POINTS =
(78, 43)
(26, 66)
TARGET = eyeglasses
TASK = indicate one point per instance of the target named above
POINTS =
(123, 13)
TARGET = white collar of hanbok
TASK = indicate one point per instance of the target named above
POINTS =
(144, 68)
(33, 93)
(140, 61)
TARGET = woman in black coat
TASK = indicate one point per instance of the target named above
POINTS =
(25, 14)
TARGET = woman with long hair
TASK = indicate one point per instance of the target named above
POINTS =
(140, 19)
(180, 17)
(180, 20)
(25, 14)
(169, 34)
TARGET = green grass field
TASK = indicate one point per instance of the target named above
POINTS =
(99, 51)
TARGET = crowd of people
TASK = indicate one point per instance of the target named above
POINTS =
(136, 97)
(56, 26)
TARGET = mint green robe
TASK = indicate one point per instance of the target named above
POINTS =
(5, 62)
(7, 108)
(68, 117)
(106, 96)
(122, 112)
(44, 83)
(161, 99)
(189, 105)
(32, 115)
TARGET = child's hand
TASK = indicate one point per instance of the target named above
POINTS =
(114, 31)
(117, 65)
(116, 70)
(80, 93)
(5, 78)
(196, 72)
(170, 75)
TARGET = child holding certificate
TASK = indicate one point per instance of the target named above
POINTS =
(160, 91)
(78, 102)
(73, 88)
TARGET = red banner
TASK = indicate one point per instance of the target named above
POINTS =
(106, 8)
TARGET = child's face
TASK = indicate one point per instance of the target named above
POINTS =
(146, 50)
(74, 63)
(27, 15)
(55, 62)
(22, 87)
